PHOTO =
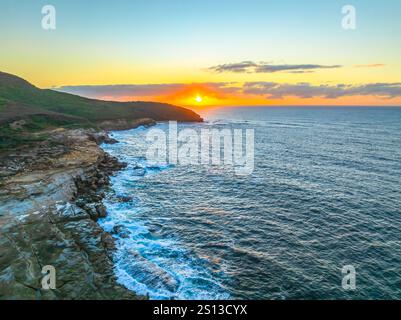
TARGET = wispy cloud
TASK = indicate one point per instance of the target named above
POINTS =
(120, 90)
(130, 92)
(223, 90)
(373, 65)
(262, 67)
(274, 90)
(240, 67)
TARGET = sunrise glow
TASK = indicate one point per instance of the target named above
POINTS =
(228, 61)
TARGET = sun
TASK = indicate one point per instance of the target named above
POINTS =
(198, 99)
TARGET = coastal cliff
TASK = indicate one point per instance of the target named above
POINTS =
(50, 200)
(53, 176)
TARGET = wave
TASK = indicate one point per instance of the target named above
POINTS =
(145, 262)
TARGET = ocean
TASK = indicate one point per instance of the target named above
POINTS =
(325, 193)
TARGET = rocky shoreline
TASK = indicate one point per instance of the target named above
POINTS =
(50, 199)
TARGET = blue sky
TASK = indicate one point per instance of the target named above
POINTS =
(174, 41)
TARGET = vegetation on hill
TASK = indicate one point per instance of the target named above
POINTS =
(42, 109)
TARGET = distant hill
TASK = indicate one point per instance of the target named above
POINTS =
(43, 108)
(15, 91)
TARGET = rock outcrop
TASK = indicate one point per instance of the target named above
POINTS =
(50, 200)
(125, 124)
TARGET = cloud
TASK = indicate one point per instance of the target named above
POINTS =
(131, 92)
(120, 90)
(253, 67)
(240, 67)
(231, 90)
(291, 67)
(304, 90)
(374, 65)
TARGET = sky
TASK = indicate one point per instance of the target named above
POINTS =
(209, 52)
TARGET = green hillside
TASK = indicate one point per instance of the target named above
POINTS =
(42, 108)
(17, 90)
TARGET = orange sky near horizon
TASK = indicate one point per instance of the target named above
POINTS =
(188, 53)
(198, 96)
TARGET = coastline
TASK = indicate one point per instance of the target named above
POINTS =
(50, 200)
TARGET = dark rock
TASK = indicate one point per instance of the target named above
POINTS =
(101, 137)
(120, 231)
(65, 176)
(121, 198)
(101, 210)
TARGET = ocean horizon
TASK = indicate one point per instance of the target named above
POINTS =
(324, 194)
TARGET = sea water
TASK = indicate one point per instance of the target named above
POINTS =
(325, 192)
